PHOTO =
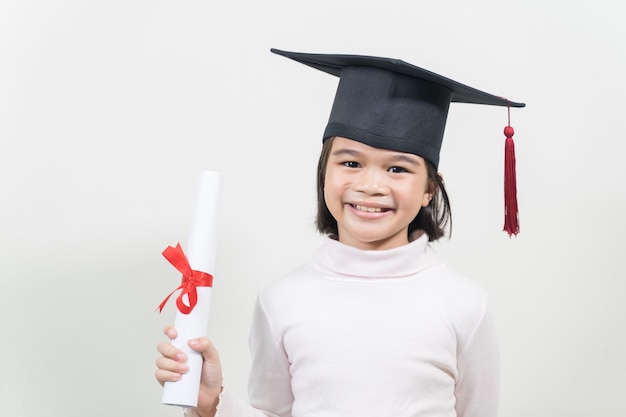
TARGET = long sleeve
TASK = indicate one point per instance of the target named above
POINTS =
(477, 388)
(269, 386)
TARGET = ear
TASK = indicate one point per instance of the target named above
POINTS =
(426, 199)
(431, 189)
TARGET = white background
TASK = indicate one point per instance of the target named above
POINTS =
(109, 110)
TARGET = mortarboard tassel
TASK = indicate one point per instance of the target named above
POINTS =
(511, 217)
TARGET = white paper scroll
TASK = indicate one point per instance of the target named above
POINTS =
(201, 250)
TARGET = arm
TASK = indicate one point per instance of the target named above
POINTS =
(269, 386)
(477, 388)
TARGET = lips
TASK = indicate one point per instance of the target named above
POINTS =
(369, 209)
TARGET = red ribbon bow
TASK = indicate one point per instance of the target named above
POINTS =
(191, 279)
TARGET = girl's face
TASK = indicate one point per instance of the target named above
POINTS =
(374, 194)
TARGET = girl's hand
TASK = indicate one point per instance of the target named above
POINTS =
(173, 364)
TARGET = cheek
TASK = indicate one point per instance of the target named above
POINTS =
(330, 186)
(334, 194)
(330, 193)
(422, 193)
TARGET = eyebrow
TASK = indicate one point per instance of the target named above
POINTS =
(349, 152)
(399, 157)
(405, 158)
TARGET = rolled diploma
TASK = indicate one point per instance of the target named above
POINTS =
(201, 250)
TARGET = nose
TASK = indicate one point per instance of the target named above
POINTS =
(372, 182)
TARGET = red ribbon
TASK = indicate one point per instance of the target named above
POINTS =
(191, 279)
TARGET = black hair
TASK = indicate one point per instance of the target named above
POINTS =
(435, 219)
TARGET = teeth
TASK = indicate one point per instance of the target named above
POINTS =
(368, 209)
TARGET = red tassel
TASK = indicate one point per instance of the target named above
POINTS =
(511, 216)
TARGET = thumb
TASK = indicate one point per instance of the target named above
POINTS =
(204, 346)
(212, 377)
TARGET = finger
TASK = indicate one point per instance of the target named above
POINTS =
(170, 365)
(170, 351)
(170, 331)
(164, 376)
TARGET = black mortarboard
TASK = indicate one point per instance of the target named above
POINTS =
(390, 104)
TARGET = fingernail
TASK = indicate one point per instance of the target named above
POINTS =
(181, 356)
(194, 342)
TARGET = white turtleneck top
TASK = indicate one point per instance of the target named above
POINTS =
(371, 333)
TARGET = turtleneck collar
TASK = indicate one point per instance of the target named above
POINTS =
(342, 261)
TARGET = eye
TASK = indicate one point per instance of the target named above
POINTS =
(397, 170)
(351, 164)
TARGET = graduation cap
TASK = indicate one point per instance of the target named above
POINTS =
(390, 104)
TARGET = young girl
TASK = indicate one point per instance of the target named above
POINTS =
(375, 324)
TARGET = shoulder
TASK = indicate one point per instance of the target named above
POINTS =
(463, 298)
(284, 290)
(295, 284)
(456, 283)
(459, 284)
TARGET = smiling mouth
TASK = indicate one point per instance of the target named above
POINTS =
(369, 209)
